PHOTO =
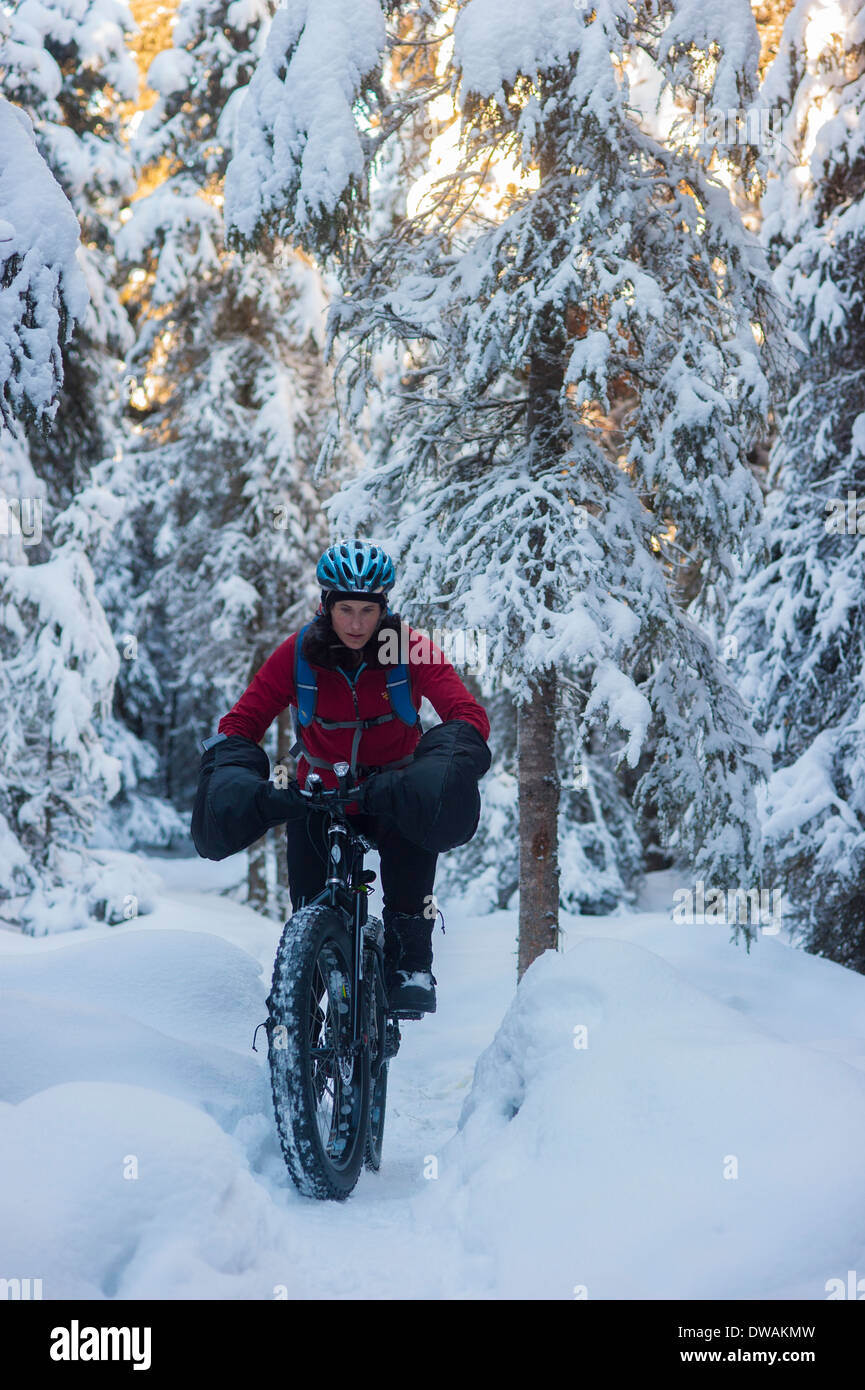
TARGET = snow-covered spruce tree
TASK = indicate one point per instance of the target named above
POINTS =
(600, 847)
(60, 663)
(57, 658)
(65, 62)
(613, 258)
(232, 397)
(600, 851)
(101, 521)
(42, 290)
(800, 618)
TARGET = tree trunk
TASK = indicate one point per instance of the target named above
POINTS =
(284, 741)
(168, 728)
(536, 720)
(538, 811)
(257, 896)
(547, 441)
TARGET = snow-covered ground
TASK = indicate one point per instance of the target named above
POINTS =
(655, 1114)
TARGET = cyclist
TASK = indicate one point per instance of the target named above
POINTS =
(361, 718)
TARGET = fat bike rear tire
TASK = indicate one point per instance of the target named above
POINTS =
(376, 1002)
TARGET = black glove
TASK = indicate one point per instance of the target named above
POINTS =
(435, 799)
(235, 803)
(280, 804)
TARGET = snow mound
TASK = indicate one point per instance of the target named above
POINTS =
(658, 1115)
(629, 1136)
(139, 1195)
(189, 985)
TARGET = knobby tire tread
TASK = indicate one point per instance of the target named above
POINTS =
(378, 1088)
(302, 939)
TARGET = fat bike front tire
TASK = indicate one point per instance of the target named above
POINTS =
(320, 1085)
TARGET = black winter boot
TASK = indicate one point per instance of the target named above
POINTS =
(409, 979)
(392, 948)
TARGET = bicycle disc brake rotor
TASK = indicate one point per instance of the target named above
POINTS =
(338, 991)
(329, 1039)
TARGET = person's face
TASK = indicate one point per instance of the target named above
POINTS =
(354, 621)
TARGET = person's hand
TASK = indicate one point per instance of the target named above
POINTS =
(282, 804)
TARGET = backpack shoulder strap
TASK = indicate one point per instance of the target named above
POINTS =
(306, 686)
(305, 681)
(399, 690)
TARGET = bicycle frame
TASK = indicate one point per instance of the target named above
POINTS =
(346, 850)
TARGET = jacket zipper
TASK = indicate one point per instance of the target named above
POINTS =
(351, 687)
(356, 705)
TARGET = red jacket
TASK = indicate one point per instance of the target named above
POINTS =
(430, 675)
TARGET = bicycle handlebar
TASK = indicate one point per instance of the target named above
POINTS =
(326, 798)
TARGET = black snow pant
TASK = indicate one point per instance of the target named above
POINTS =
(407, 871)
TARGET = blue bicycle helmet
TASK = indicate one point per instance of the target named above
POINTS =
(354, 568)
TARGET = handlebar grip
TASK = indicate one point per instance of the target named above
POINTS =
(324, 797)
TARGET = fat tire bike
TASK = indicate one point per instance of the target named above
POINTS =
(330, 1034)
